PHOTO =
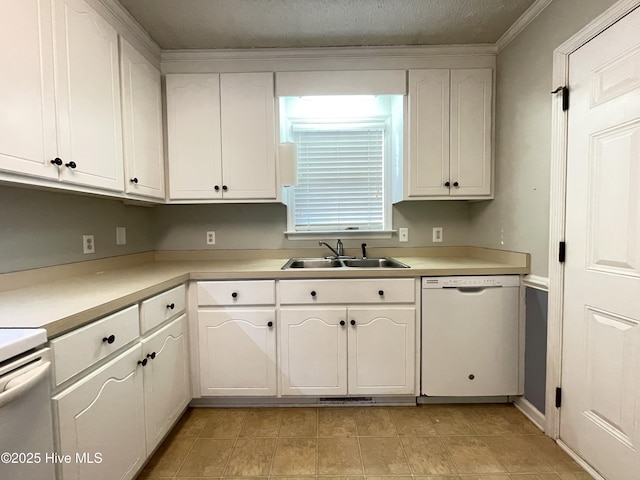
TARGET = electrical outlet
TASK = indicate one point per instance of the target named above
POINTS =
(88, 244)
(121, 236)
(403, 234)
(211, 238)
(437, 234)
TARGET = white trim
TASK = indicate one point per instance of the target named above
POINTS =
(536, 281)
(588, 468)
(557, 207)
(530, 411)
(292, 235)
(521, 23)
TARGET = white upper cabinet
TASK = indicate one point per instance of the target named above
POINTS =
(142, 124)
(450, 125)
(87, 97)
(27, 110)
(221, 136)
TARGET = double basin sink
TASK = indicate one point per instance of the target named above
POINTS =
(332, 262)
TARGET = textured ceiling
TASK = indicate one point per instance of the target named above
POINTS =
(215, 24)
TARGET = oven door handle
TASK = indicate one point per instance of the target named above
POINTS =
(20, 385)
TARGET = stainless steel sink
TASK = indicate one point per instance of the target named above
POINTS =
(372, 262)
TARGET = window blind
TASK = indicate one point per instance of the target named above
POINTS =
(340, 179)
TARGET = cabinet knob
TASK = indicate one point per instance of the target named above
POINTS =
(225, 188)
(381, 293)
(70, 165)
(313, 293)
(456, 184)
(216, 188)
(472, 376)
(110, 339)
(352, 322)
(143, 362)
(134, 180)
(57, 161)
(171, 306)
(447, 184)
(269, 324)
(151, 355)
(234, 294)
(342, 322)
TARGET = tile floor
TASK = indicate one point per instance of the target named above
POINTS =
(435, 442)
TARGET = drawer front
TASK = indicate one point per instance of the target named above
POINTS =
(383, 290)
(81, 348)
(162, 307)
(258, 292)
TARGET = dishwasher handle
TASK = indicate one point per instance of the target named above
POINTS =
(18, 386)
(473, 289)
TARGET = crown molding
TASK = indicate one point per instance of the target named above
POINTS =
(521, 23)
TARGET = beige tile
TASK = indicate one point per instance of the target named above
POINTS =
(486, 477)
(339, 456)
(251, 457)
(553, 454)
(262, 422)
(168, 458)
(223, 423)
(336, 422)
(341, 477)
(535, 476)
(375, 422)
(516, 454)
(190, 424)
(299, 422)
(412, 421)
(384, 477)
(383, 456)
(575, 476)
(471, 455)
(428, 456)
(207, 458)
(449, 420)
(438, 477)
(295, 456)
(499, 419)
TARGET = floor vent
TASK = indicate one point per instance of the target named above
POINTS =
(346, 400)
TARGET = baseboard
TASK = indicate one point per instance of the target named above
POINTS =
(300, 402)
(426, 400)
(530, 411)
(588, 468)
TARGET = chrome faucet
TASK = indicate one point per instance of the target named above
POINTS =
(340, 248)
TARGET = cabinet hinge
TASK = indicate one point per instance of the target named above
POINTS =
(562, 251)
(565, 97)
(558, 397)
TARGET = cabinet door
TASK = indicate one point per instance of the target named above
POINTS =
(471, 94)
(166, 379)
(382, 350)
(237, 352)
(193, 136)
(313, 346)
(103, 414)
(248, 135)
(142, 124)
(27, 110)
(428, 133)
(88, 97)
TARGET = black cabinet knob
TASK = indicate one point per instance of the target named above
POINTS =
(447, 184)
(134, 180)
(313, 293)
(456, 184)
(143, 362)
(381, 293)
(70, 165)
(225, 188)
(234, 294)
(171, 306)
(216, 188)
(269, 324)
(342, 322)
(110, 339)
(352, 322)
(472, 376)
(57, 161)
(151, 355)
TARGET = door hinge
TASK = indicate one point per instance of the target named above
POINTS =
(562, 251)
(558, 397)
(565, 97)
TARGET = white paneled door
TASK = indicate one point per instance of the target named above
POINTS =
(600, 414)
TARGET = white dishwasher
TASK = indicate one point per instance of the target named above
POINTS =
(470, 336)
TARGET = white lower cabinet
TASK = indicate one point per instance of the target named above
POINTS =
(166, 379)
(101, 421)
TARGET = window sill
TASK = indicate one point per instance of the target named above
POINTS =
(339, 234)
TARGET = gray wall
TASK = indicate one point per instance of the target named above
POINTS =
(41, 229)
(518, 218)
(261, 226)
(535, 353)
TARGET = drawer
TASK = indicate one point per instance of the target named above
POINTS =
(370, 290)
(162, 307)
(255, 292)
(85, 346)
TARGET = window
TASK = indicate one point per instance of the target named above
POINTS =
(344, 149)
